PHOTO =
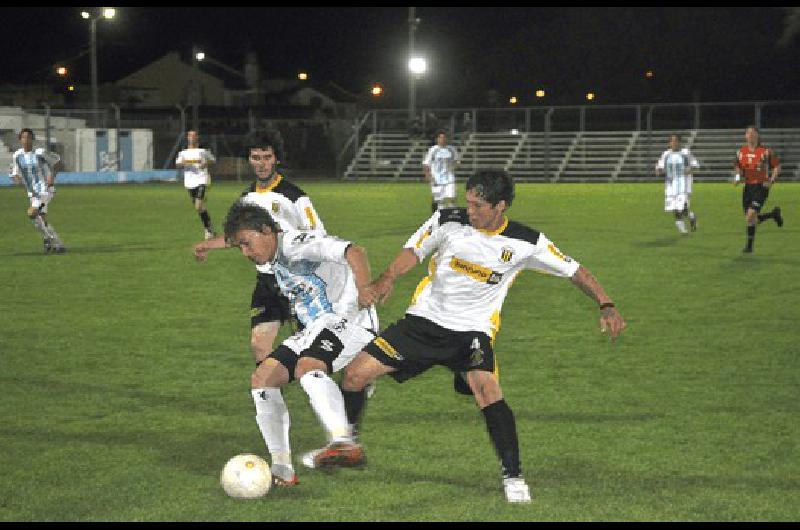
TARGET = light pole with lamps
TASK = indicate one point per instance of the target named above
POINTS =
(108, 13)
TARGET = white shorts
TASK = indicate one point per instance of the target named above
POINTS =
(332, 337)
(445, 191)
(676, 203)
(41, 201)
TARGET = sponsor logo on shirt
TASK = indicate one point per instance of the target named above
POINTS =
(475, 271)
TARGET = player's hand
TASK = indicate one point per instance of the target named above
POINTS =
(201, 251)
(384, 287)
(767, 184)
(367, 296)
(611, 322)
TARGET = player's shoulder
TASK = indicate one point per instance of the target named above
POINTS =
(18, 152)
(289, 189)
(521, 232)
(452, 215)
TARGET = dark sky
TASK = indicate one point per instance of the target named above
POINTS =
(701, 53)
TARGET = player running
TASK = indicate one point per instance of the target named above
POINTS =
(677, 165)
(195, 162)
(36, 169)
(439, 167)
(754, 161)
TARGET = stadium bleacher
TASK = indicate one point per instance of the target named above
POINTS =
(610, 156)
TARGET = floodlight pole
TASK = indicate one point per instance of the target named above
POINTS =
(412, 87)
(94, 64)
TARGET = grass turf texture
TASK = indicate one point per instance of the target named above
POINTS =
(124, 367)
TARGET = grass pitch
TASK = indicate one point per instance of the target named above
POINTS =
(124, 367)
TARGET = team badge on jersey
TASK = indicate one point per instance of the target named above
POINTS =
(276, 207)
(507, 254)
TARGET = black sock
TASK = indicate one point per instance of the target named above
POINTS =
(764, 216)
(206, 219)
(503, 432)
(354, 407)
(434, 207)
(751, 236)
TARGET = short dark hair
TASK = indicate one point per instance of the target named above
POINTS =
(440, 131)
(493, 186)
(246, 216)
(26, 130)
(753, 127)
(264, 141)
(676, 135)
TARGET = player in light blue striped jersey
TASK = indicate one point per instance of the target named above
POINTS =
(677, 165)
(36, 170)
(439, 166)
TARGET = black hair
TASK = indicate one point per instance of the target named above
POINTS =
(493, 186)
(33, 136)
(264, 141)
(753, 127)
(246, 216)
(676, 135)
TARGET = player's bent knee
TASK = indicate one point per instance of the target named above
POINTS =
(270, 373)
(309, 364)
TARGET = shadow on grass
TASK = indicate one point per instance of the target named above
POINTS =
(109, 249)
(657, 243)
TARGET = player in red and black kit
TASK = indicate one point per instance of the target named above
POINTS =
(754, 162)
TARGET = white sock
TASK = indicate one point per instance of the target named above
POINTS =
(40, 226)
(328, 403)
(272, 417)
(681, 226)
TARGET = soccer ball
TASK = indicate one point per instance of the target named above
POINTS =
(246, 477)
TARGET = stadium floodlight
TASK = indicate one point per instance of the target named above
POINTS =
(377, 90)
(590, 96)
(513, 100)
(302, 76)
(108, 13)
(61, 70)
(649, 74)
(540, 93)
(200, 56)
(418, 65)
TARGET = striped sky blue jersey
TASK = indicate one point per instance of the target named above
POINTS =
(676, 166)
(442, 161)
(33, 167)
(312, 271)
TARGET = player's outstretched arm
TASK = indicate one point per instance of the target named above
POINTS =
(611, 320)
(202, 248)
(357, 259)
(403, 262)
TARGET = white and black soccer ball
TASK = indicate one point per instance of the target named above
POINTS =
(246, 476)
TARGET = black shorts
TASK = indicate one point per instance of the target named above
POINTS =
(197, 193)
(414, 344)
(267, 303)
(754, 197)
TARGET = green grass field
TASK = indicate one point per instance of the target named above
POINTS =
(124, 367)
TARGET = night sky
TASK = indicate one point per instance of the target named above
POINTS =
(696, 54)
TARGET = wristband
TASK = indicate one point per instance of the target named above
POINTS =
(607, 305)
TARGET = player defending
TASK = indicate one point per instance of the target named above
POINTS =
(36, 170)
(439, 165)
(755, 161)
(328, 282)
(451, 323)
(677, 165)
(194, 161)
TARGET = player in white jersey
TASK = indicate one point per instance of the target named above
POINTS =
(36, 170)
(195, 162)
(450, 322)
(439, 166)
(292, 210)
(677, 165)
(328, 283)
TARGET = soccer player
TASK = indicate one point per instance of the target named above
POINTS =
(451, 323)
(439, 164)
(328, 282)
(194, 161)
(755, 161)
(292, 210)
(36, 169)
(677, 165)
